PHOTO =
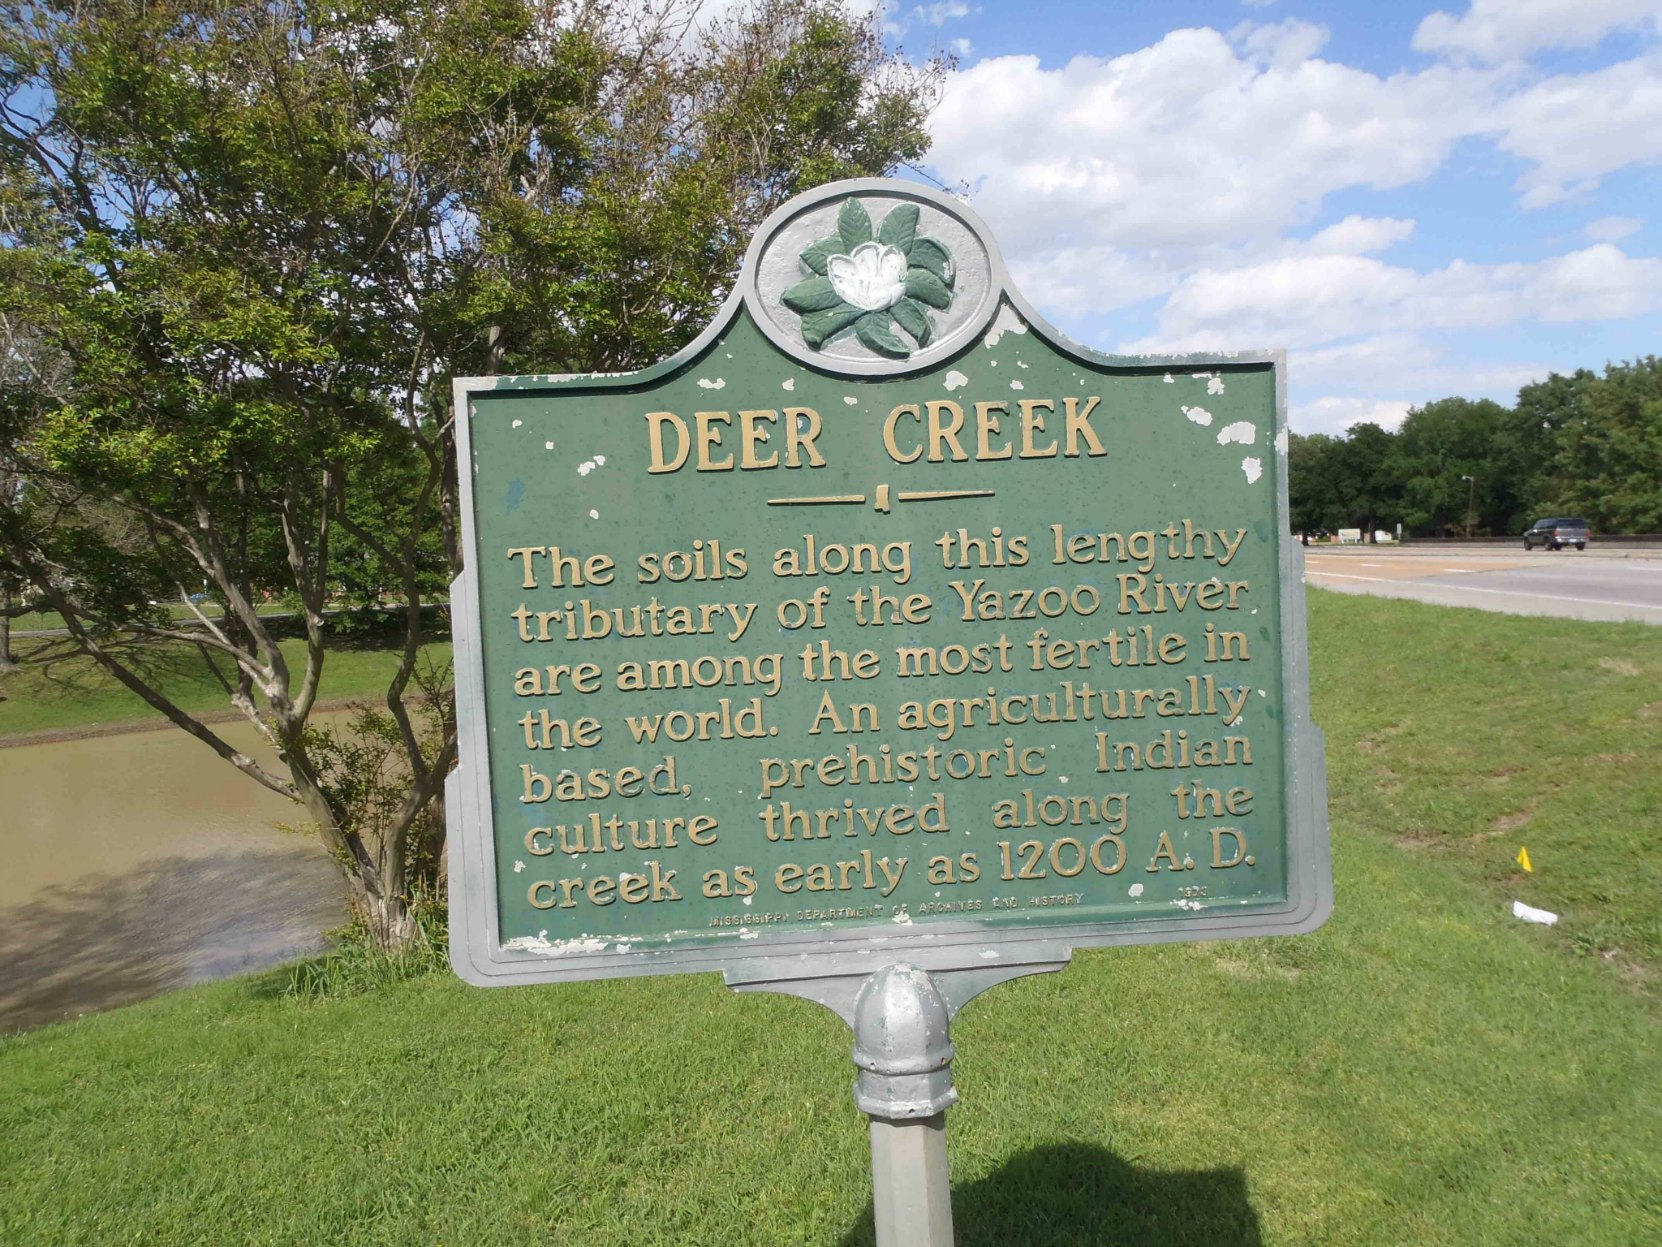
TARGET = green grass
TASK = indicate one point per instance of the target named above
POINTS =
(1423, 1070)
(53, 688)
(1462, 737)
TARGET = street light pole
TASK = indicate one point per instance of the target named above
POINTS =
(1471, 494)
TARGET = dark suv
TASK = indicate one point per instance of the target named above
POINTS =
(1555, 534)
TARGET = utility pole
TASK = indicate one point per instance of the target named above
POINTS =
(1471, 494)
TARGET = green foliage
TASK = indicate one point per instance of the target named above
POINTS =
(357, 961)
(1608, 460)
(1579, 445)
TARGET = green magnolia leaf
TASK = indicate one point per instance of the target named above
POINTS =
(900, 227)
(914, 320)
(925, 287)
(873, 329)
(928, 254)
(814, 295)
(816, 256)
(819, 327)
(853, 224)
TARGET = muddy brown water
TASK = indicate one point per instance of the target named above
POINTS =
(137, 863)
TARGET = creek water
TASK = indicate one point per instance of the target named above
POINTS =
(136, 863)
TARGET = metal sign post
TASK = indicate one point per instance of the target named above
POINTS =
(880, 647)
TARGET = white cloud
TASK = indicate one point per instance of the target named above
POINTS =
(960, 48)
(1092, 278)
(1281, 45)
(1613, 228)
(1576, 128)
(1335, 414)
(941, 13)
(1360, 235)
(1311, 300)
(1189, 142)
(1405, 363)
(1491, 31)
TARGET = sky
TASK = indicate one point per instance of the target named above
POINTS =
(1415, 202)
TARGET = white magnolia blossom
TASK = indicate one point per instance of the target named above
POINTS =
(872, 278)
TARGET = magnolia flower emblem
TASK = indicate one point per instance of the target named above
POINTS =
(871, 277)
(871, 280)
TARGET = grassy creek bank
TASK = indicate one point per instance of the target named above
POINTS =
(1424, 1070)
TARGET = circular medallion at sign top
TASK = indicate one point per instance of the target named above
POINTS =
(872, 277)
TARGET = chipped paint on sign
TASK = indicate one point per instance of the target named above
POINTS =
(1005, 322)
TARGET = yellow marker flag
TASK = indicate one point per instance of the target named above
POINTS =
(1523, 860)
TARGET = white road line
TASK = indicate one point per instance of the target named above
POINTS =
(1516, 593)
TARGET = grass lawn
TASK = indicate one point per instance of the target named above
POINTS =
(1424, 1070)
(53, 688)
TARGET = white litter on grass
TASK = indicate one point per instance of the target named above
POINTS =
(1530, 914)
(1199, 415)
(707, 384)
(954, 379)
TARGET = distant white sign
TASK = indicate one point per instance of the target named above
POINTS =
(1349, 536)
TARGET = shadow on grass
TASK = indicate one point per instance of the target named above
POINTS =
(113, 939)
(1080, 1195)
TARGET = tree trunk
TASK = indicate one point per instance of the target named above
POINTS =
(386, 916)
(7, 662)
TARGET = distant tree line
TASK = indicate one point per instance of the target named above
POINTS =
(1584, 445)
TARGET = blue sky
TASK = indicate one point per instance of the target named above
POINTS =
(1414, 201)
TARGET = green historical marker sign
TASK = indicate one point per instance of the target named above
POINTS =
(882, 622)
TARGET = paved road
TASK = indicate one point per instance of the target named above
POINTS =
(1567, 583)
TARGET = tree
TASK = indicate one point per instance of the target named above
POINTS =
(263, 236)
(1444, 458)
(1366, 490)
(1313, 482)
(1608, 461)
